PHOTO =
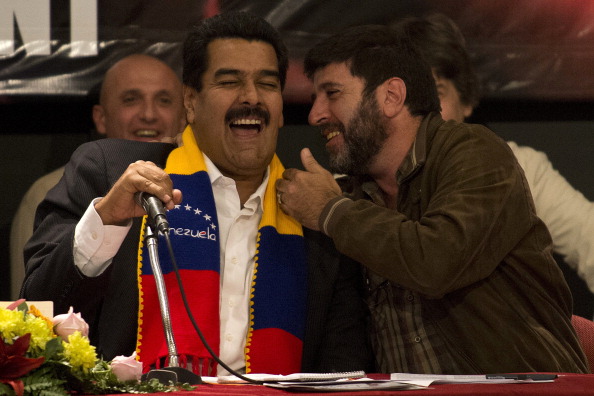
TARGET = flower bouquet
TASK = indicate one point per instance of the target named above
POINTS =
(42, 356)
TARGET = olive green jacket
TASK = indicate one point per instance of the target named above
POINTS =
(466, 239)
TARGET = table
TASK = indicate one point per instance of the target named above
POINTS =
(565, 384)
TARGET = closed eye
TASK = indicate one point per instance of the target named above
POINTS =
(271, 85)
(332, 92)
(227, 82)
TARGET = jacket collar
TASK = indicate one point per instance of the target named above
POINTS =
(417, 155)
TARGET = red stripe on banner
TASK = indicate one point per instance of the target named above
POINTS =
(202, 292)
(274, 351)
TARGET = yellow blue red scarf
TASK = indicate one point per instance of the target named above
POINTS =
(278, 290)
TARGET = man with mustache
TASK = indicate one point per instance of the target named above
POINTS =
(268, 295)
(458, 266)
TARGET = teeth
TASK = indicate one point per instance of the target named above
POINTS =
(332, 134)
(246, 122)
(147, 133)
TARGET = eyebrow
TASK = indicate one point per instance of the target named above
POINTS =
(270, 73)
(236, 72)
(224, 72)
(133, 91)
(330, 84)
(136, 91)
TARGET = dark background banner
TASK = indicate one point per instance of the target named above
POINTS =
(535, 58)
(522, 48)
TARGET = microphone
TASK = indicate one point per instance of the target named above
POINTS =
(154, 209)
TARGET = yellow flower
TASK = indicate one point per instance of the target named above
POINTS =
(79, 352)
(41, 333)
(33, 332)
(36, 312)
(17, 323)
(13, 324)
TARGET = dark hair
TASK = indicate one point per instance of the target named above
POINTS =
(442, 44)
(228, 25)
(375, 53)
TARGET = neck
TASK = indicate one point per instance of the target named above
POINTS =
(401, 137)
(246, 181)
(246, 187)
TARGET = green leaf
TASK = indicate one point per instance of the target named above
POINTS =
(23, 307)
(53, 348)
(43, 382)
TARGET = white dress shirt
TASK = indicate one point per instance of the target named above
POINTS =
(95, 245)
(568, 215)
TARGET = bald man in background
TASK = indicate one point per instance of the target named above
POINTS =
(140, 99)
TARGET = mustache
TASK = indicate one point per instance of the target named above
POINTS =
(247, 112)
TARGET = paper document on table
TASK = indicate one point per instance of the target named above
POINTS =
(428, 379)
(297, 377)
(344, 385)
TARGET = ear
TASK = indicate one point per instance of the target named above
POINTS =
(183, 121)
(99, 118)
(392, 96)
(189, 96)
(467, 110)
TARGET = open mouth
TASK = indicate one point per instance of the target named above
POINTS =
(331, 130)
(247, 124)
(331, 135)
(146, 133)
(247, 121)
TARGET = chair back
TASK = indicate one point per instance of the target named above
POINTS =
(585, 332)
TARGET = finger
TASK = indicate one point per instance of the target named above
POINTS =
(278, 185)
(148, 164)
(176, 199)
(309, 162)
(289, 174)
(149, 178)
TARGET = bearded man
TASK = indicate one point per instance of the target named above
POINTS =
(458, 266)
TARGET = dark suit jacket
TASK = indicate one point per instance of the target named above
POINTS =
(335, 338)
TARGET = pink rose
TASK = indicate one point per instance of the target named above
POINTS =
(126, 368)
(67, 324)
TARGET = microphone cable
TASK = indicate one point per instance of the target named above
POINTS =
(191, 317)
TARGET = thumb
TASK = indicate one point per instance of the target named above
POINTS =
(309, 162)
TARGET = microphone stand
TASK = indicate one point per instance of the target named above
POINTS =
(173, 372)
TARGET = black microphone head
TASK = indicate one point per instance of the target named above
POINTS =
(155, 210)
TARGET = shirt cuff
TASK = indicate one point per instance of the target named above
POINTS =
(96, 244)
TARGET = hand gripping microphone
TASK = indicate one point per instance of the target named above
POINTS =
(154, 209)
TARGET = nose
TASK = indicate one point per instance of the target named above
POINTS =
(249, 94)
(318, 113)
(149, 111)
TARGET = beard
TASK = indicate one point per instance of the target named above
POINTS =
(363, 137)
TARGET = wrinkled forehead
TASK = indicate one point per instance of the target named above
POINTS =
(335, 75)
(241, 54)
